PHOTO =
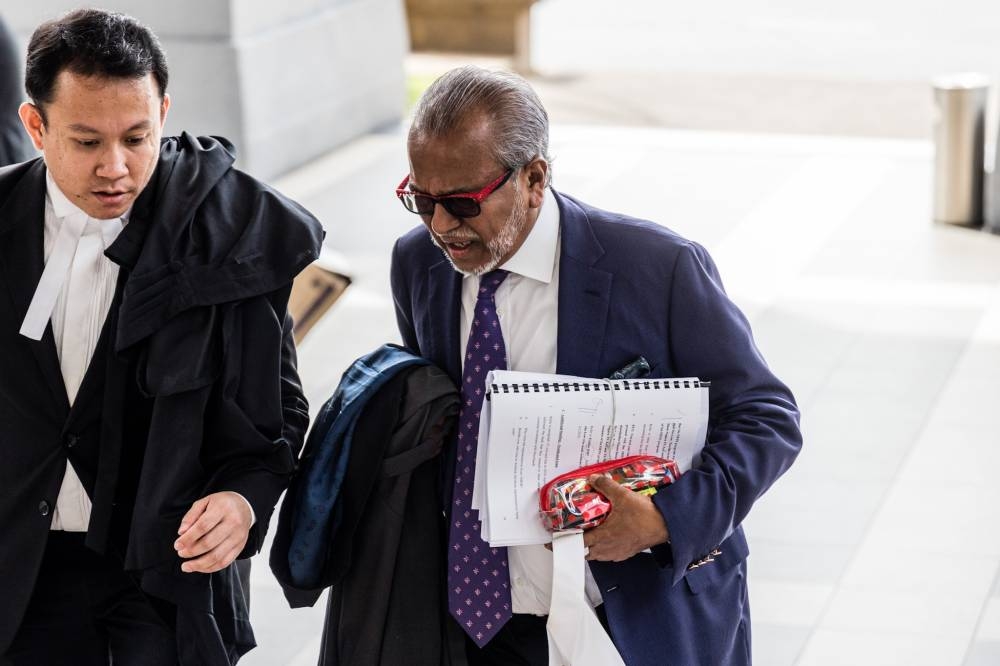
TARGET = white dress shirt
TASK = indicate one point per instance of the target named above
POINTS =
(77, 320)
(527, 306)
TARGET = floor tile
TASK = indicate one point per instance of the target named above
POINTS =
(983, 654)
(955, 451)
(980, 360)
(790, 604)
(989, 623)
(796, 562)
(876, 571)
(973, 400)
(815, 512)
(839, 453)
(934, 613)
(912, 322)
(777, 645)
(938, 518)
(878, 648)
(690, 204)
(282, 634)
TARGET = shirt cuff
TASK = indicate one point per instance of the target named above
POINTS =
(253, 515)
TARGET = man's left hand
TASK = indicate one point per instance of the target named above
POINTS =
(633, 525)
(213, 532)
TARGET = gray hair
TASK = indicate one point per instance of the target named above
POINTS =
(519, 121)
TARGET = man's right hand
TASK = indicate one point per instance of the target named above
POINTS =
(633, 525)
(214, 532)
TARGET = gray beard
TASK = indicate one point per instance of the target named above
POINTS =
(502, 243)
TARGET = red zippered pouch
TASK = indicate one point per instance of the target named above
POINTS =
(568, 502)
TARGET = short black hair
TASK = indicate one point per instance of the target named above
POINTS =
(91, 42)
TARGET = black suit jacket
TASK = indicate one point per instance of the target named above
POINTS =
(193, 389)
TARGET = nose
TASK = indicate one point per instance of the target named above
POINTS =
(442, 221)
(112, 165)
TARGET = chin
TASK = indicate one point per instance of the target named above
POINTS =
(477, 269)
(107, 212)
(466, 268)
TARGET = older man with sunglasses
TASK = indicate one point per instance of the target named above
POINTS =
(507, 273)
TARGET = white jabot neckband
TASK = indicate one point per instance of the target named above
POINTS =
(57, 268)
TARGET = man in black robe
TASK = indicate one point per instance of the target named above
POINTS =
(150, 409)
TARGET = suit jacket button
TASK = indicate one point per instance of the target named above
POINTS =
(71, 441)
(43, 508)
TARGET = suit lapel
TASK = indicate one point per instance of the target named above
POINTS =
(22, 259)
(444, 299)
(584, 295)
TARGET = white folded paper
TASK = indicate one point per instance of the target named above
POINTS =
(576, 637)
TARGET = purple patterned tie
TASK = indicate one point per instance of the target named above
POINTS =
(478, 580)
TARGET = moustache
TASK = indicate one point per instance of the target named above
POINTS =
(452, 238)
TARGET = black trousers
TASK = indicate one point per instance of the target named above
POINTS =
(521, 642)
(86, 610)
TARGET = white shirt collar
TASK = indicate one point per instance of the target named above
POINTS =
(62, 207)
(536, 258)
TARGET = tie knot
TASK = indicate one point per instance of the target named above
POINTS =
(490, 282)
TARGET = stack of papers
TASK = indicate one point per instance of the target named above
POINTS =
(534, 427)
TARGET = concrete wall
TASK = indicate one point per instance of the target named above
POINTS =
(285, 80)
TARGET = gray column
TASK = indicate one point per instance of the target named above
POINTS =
(285, 81)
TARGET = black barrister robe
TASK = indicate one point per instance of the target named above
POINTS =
(199, 392)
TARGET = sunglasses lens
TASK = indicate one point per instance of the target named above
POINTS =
(461, 206)
(424, 205)
(418, 204)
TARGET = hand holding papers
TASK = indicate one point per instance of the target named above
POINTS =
(535, 427)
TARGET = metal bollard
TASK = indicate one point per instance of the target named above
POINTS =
(959, 145)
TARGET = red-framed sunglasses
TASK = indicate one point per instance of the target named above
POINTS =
(462, 204)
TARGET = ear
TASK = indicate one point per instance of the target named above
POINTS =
(537, 171)
(164, 107)
(34, 124)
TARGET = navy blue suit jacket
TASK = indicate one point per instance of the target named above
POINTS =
(627, 288)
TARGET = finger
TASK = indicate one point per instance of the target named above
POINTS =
(593, 536)
(192, 515)
(215, 560)
(201, 527)
(212, 539)
(606, 486)
(210, 562)
(595, 553)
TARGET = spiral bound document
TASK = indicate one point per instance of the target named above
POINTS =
(536, 426)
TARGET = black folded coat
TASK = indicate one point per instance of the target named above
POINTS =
(384, 562)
